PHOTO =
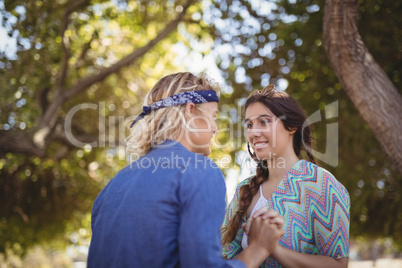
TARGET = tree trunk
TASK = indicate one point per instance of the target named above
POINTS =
(366, 84)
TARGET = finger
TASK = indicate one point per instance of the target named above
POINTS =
(265, 213)
(245, 228)
(270, 214)
(248, 224)
(281, 221)
(260, 212)
(278, 221)
(281, 232)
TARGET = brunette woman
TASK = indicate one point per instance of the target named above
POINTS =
(314, 204)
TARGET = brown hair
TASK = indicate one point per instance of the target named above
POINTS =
(166, 123)
(286, 108)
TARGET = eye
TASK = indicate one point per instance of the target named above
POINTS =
(249, 125)
(265, 122)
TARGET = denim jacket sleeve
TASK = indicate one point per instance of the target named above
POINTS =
(202, 198)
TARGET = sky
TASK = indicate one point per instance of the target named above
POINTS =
(8, 45)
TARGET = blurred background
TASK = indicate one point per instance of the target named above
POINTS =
(73, 74)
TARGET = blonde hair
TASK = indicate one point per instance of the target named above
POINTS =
(166, 123)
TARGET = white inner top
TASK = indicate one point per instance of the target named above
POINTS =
(262, 202)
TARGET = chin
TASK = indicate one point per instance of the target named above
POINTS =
(206, 153)
(264, 156)
(203, 151)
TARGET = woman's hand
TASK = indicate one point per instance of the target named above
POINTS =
(271, 215)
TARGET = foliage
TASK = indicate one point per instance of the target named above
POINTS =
(46, 197)
(59, 45)
(280, 42)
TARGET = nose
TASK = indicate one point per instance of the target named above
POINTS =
(255, 132)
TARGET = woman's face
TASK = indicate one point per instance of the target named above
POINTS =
(203, 127)
(266, 133)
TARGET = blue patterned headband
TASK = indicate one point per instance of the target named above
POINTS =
(195, 97)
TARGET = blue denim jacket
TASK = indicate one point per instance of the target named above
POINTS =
(163, 210)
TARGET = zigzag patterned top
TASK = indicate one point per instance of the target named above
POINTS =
(315, 207)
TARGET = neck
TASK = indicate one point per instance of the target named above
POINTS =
(186, 144)
(183, 141)
(279, 166)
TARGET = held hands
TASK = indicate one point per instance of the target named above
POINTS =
(264, 229)
(263, 212)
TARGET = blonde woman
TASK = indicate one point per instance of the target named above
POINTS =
(165, 208)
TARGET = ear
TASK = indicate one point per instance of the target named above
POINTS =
(190, 109)
(293, 130)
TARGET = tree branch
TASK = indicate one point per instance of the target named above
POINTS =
(86, 82)
(64, 42)
(51, 114)
(33, 141)
(366, 84)
(18, 141)
(84, 51)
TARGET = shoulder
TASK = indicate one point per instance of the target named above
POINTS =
(241, 184)
(201, 165)
(236, 197)
(245, 181)
(327, 176)
(175, 158)
(326, 181)
(309, 170)
(197, 170)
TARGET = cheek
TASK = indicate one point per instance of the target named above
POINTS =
(282, 138)
(267, 134)
(249, 136)
(203, 132)
(201, 124)
(206, 126)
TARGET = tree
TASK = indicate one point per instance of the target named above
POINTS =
(74, 54)
(99, 54)
(281, 42)
(366, 84)
(33, 141)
